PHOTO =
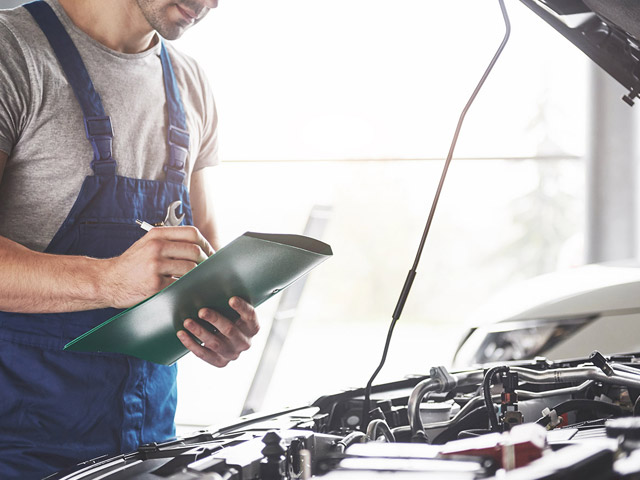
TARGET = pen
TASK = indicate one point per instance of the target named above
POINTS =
(144, 225)
(171, 220)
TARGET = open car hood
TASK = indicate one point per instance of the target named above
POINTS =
(608, 31)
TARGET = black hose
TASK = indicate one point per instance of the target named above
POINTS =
(353, 437)
(377, 424)
(475, 419)
(486, 389)
(582, 404)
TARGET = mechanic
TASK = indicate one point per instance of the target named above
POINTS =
(101, 124)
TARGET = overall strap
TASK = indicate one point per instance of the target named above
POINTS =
(178, 136)
(97, 123)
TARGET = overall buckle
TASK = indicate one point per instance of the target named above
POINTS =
(178, 152)
(100, 133)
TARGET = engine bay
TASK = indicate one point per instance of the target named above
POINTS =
(533, 419)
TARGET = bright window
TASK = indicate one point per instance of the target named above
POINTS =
(352, 104)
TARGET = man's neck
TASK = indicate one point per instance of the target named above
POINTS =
(117, 24)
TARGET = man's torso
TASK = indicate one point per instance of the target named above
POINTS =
(41, 123)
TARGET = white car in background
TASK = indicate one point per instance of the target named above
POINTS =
(559, 316)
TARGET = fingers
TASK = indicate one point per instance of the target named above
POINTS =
(248, 321)
(175, 268)
(215, 349)
(231, 338)
(239, 331)
(202, 352)
(171, 252)
(182, 243)
(183, 234)
(152, 263)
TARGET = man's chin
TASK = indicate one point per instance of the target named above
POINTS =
(173, 32)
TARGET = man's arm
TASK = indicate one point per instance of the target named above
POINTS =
(35, 282)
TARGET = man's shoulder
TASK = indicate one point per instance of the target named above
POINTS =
(21, 39)
(20, 36)
(17, 23)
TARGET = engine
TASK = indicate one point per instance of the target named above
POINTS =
(519, 420)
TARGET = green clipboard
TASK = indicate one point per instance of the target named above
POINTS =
(255, 267)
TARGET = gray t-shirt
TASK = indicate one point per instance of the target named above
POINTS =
(42, 128)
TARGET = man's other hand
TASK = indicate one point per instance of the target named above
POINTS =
(153, 263)
(231, 339)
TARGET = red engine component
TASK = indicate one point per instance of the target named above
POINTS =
(516, 448)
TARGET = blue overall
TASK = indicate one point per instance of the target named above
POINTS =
(60, 408)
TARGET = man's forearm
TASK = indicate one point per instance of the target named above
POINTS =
(34, 282)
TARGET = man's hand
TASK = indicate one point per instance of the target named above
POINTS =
(231, 339)
(153, 263)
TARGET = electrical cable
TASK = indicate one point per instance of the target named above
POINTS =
(488, 401)
(412, 273)
(581, 404)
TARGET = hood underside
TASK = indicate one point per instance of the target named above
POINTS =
(608, 31)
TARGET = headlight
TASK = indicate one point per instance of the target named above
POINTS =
(516, 340)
